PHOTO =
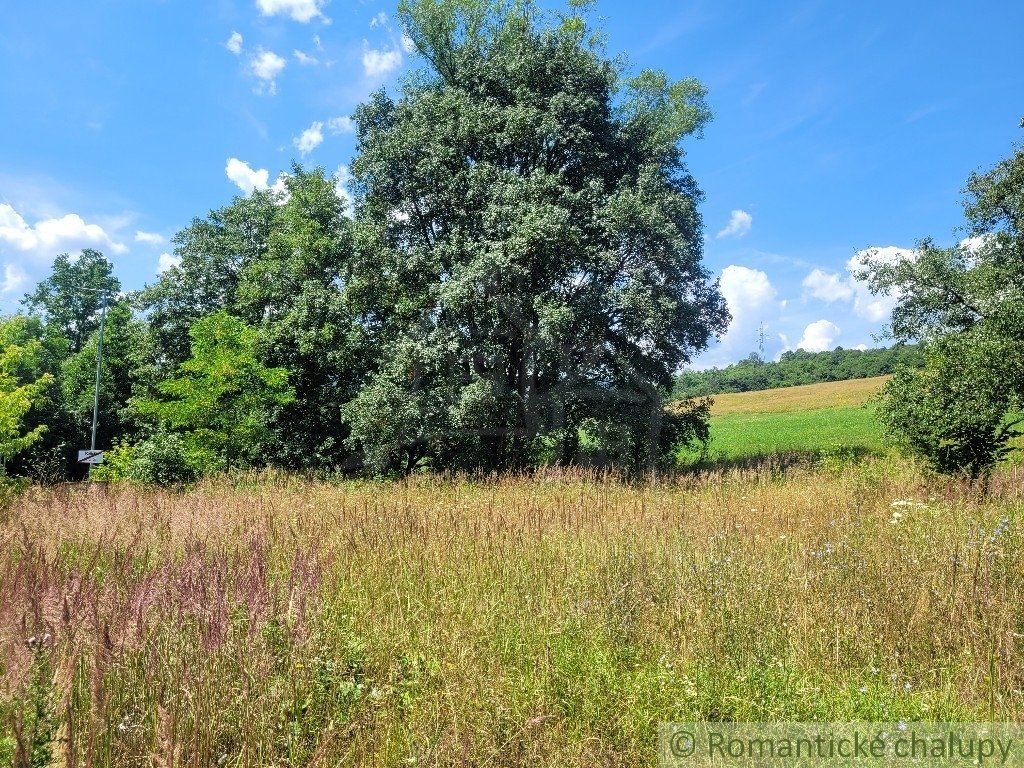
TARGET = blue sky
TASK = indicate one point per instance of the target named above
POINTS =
(838, 127)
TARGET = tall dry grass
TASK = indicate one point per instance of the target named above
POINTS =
(544, 621)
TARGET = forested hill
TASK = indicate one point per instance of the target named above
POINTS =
(797, 367)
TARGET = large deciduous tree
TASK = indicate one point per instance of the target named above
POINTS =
(71, 298)
(530, 246)
(966, 303)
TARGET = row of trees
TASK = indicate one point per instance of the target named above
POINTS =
(517, 281)
(798, 367)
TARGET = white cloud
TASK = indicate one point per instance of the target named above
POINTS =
(48, 237)
(862, 347)
(819, 336)
(407, 44)
(317, 44)
(342, 124)
(267, 65)
(750, 297)
(309, 139)
(380, 63)
(14, 278)
(245, 177)
(305, 59)
(827, 286)
(739, 224)
(149, 238)
(302, 11)
(234, 43)
(975, 244)
(831, 286)
(745, 290)
(249, 179)
(379, 20)
(167, 261)
(866, 304)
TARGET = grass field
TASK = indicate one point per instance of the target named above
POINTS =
(811, 420)
(549, 621)
(553, 620)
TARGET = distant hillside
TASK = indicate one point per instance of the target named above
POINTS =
(796, 368)
(803, 397)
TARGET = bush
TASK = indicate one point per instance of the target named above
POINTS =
(165, 458)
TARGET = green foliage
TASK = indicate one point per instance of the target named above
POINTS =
(69, 300)
(521, 266)
(163, 458)
(966, 304)
(283, 265)
(955, 412)
(798, 367)
(123, 346)
(224, 396)
(20, 390)
(34, 720)
(529, 247)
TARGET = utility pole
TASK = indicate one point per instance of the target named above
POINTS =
(99, 368)
(92, 456)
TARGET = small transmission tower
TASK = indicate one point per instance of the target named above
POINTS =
(760, 340)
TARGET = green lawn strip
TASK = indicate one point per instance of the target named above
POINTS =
(824, 430)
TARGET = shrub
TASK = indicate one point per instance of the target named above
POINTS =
(164, 458)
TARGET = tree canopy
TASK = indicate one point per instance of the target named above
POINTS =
(535, 241)
(516, 281)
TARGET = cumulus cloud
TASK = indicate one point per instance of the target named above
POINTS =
(309, 139)
(819, 336)
(833, 286)
(13, 280)
(313, 137)
(975, 245)
(249, 179)
(167, 261)
(47, 237)
(149, 238)
(739, 224)
(827, 287)
(267, 65)
(234, 43)
(866, 304)
(302, 11)
(305, 59)
(379, 20)
(749, 294)
(378, 64)
(245, 177)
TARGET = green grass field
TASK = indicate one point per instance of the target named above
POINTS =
(852, 429)
(812, 420)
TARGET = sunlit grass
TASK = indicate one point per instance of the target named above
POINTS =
(853, 429)
(544, 621)
(807, 397)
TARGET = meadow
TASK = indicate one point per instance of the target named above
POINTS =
(832, 419)
(543, 621)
